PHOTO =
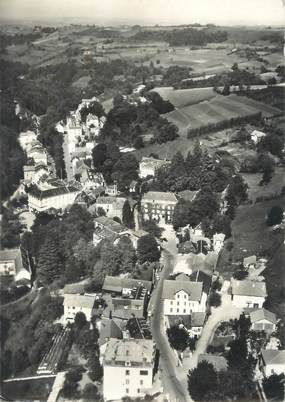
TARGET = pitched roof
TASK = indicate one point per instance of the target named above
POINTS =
(18, 255)
(113, 283)
(273, 356)
(109, 329)
(248, 288)
(136, 351)
(201, 276)
(219, 362)
(119, 201)
(74, 288)
(158, 196)
(187, 195)
(74, 300)
(198, 319)
(262, 314)
(57, 188)
(170, 288)
(110, 224)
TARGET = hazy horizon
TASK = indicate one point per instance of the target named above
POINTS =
(150, 12)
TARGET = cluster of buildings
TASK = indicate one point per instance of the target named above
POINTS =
(127, 352)
(39, 162)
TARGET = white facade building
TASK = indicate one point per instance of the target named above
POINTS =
(248, 294)
(113, 206)
(74, 303)
(183, 298)
(12, 264)
(52, 194)
(128, 368)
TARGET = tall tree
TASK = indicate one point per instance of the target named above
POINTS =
(50, 263)
(128, 215)
(147, 249)
(202, 380)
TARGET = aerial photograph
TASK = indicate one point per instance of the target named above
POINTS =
(142, 162)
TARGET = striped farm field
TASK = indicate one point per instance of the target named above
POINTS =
(218, 110)
(183, 97)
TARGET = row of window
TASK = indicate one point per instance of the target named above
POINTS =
(128, 382)
(142, 372)
(178, 311)
(128, 391)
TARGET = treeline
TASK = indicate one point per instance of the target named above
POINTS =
(12, 157)
(236, 76)
(198, 169)
(183, 37)
(223, 124)
(18, 39)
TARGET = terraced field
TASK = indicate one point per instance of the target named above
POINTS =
(216, 110)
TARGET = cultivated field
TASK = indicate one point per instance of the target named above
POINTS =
(185, 97)
(218, 109)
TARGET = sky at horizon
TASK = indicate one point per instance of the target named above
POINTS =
(232, 12)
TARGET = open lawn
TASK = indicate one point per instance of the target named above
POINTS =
(251, 235)
(274, 187)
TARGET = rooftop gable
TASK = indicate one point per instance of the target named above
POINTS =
(248, 288)
(193, 289)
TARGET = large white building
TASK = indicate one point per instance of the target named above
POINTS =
(52, 193)
(75, 303)
(183, 297)
(158, 205)
(248, 294)
(128, 368)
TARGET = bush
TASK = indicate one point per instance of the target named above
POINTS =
(215, 299)
(274, 216)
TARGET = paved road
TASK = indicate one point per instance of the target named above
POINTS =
(173, 377)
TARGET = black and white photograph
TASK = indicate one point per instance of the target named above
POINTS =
(142, 188)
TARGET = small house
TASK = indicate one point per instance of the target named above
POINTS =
(272, 362)
(248, 294)
(263, 320)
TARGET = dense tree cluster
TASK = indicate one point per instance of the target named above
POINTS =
(182, 37)
(61, 246)
(147, 250)
(114, 165)
(11, 229)
(198, 169)
(29, 333)
(126, 122)
(178, 337)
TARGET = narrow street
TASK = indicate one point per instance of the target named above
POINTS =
(224, 312)
(173, 376)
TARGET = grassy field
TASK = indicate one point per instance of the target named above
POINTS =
(250, 235)
(272, 188)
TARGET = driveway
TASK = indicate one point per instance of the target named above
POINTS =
(174, 379)
(224, 312)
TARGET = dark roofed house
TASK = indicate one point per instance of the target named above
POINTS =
(107, 228)
(124, 286)
(15, 263)
(201, 276)
(108, 329)
(123, 309)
